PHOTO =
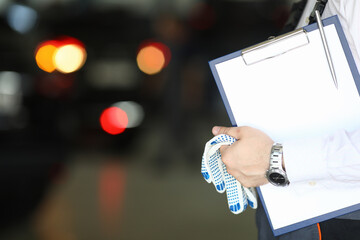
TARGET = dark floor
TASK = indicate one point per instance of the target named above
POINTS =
(131, 197)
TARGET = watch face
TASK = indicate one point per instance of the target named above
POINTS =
(277, 178)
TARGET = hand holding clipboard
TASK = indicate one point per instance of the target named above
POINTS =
(285, 87)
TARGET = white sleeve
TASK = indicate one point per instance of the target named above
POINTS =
(334, 157)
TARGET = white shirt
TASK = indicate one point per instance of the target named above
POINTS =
(334, 158)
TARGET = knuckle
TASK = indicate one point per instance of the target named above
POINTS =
(238, 130)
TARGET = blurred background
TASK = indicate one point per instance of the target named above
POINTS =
(105, 107)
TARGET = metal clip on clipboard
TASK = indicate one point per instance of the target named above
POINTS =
(275, 46)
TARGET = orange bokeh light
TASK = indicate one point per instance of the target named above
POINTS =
(153, 57)
(114, 120)
(44, 56)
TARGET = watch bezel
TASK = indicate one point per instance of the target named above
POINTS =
(280, 172)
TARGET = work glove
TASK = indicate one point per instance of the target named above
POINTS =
(214, 171)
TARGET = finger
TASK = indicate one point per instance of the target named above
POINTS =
(216, 130)
(211, 167)
(222, 146)
(204, 171)
(205, 168)
(237, 200)
(215, 172)
(235, 132)
(222, 150)
(220, 141)
(251, 197)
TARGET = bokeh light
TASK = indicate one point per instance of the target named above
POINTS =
(112, 181)
(44, 56)
(114, 120)
(134, 111)
(65, 55)
(150, 60)
(21, 18)
(10, 83)
(153, 57)
(69, 58)
(10, 94)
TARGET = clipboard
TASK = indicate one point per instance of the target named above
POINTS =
(284, 87)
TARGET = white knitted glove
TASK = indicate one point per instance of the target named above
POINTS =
(214, 171)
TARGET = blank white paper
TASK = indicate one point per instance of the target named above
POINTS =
(293, 96)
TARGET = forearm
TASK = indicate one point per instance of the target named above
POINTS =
(333, 157)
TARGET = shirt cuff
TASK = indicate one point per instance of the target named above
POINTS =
(304, 159)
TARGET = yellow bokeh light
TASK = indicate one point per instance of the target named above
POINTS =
(44, 57)
(150, 60)
(69, 58)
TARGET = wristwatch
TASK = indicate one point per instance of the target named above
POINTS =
(276, 174)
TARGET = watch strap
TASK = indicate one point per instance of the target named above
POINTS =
(276, 156)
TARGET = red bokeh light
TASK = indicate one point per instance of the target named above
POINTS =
(66, 40)
(114, 120)
(112, 181)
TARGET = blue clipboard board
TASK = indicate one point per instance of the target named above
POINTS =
(237, 75)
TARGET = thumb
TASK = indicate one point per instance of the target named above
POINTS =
(234, 132)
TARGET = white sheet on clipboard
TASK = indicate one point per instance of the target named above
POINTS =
(292, 95)
(302, 99)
